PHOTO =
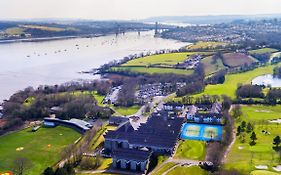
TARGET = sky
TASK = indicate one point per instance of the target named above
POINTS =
(131, 9)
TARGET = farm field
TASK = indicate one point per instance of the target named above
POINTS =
(168, 59)
(151, 70)
(14, 31)
(245, 157)
(190, 149)
(42, 147)
(205, 45)
(212, 68)
(263, 51)
(237, 59)
(188, 171)
(232, 80)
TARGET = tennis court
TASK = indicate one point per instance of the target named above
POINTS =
(203, 132)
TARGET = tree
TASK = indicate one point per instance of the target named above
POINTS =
(237, 111)
(238, 130)
(243, 125)
(249, 128)
(276, 142)
(20, 165)
(48, 171)
(253, 138)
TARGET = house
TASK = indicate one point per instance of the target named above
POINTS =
(191, 112)
(172, 106)
(216, 108)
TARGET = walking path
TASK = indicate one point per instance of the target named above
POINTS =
(232, 142)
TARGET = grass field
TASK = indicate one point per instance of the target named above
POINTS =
(164, 168)
(193, 170)
(14, 31)
(191, 149)
(263, 172)
(151, 70)
(162, 59)
(212, 68)
(245, 157)
(42, 147)
(263, 51)
(46, 28)
(126, 110)
(205, 45)
(231, 81)
(237, 59)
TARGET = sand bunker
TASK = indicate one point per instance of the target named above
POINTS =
(20, 149)
(277, 168)
(240, 147)
(262, 111)
(261, 167)
(275, 121)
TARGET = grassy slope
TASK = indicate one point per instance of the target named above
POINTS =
(190, 149)
(127, 110)
(203, 45)
(194, 170)
(167, 59)
(262, 152)
(237, 59)
(164, 168)
(263, 51)
(212, 68)
(36, 147)
(152, 70)
(230, 85)
(263, 172)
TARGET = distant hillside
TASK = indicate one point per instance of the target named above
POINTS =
(209, 19)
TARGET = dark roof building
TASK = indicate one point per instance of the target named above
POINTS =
(159, 134)
(114, 120)
(131, 149)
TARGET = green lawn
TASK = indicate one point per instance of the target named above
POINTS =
(127, 110)
(232, 80)
(204, 45)
(152, 70)
(42, 147)
(263, 172)
(193, 170)
(191, 149)
(212, 68)
(263, 51)
(245, 157)
(168, 59)
(164, 168)
(14, 31)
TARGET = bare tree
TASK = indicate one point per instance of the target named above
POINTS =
(21, 165)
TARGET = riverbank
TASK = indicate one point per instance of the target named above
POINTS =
(51, 38)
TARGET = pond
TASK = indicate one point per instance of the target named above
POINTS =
(267, 80)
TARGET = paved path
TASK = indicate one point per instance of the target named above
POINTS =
(232, 142)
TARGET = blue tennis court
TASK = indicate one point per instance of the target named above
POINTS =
(203, 132)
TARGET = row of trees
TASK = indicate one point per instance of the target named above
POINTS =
(249, 91)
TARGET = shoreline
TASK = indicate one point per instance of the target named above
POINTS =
(50, 38)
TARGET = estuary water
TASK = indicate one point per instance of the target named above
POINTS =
(26, 64)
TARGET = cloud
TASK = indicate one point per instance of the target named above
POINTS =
(131, 9)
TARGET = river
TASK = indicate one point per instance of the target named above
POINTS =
(26, 64)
